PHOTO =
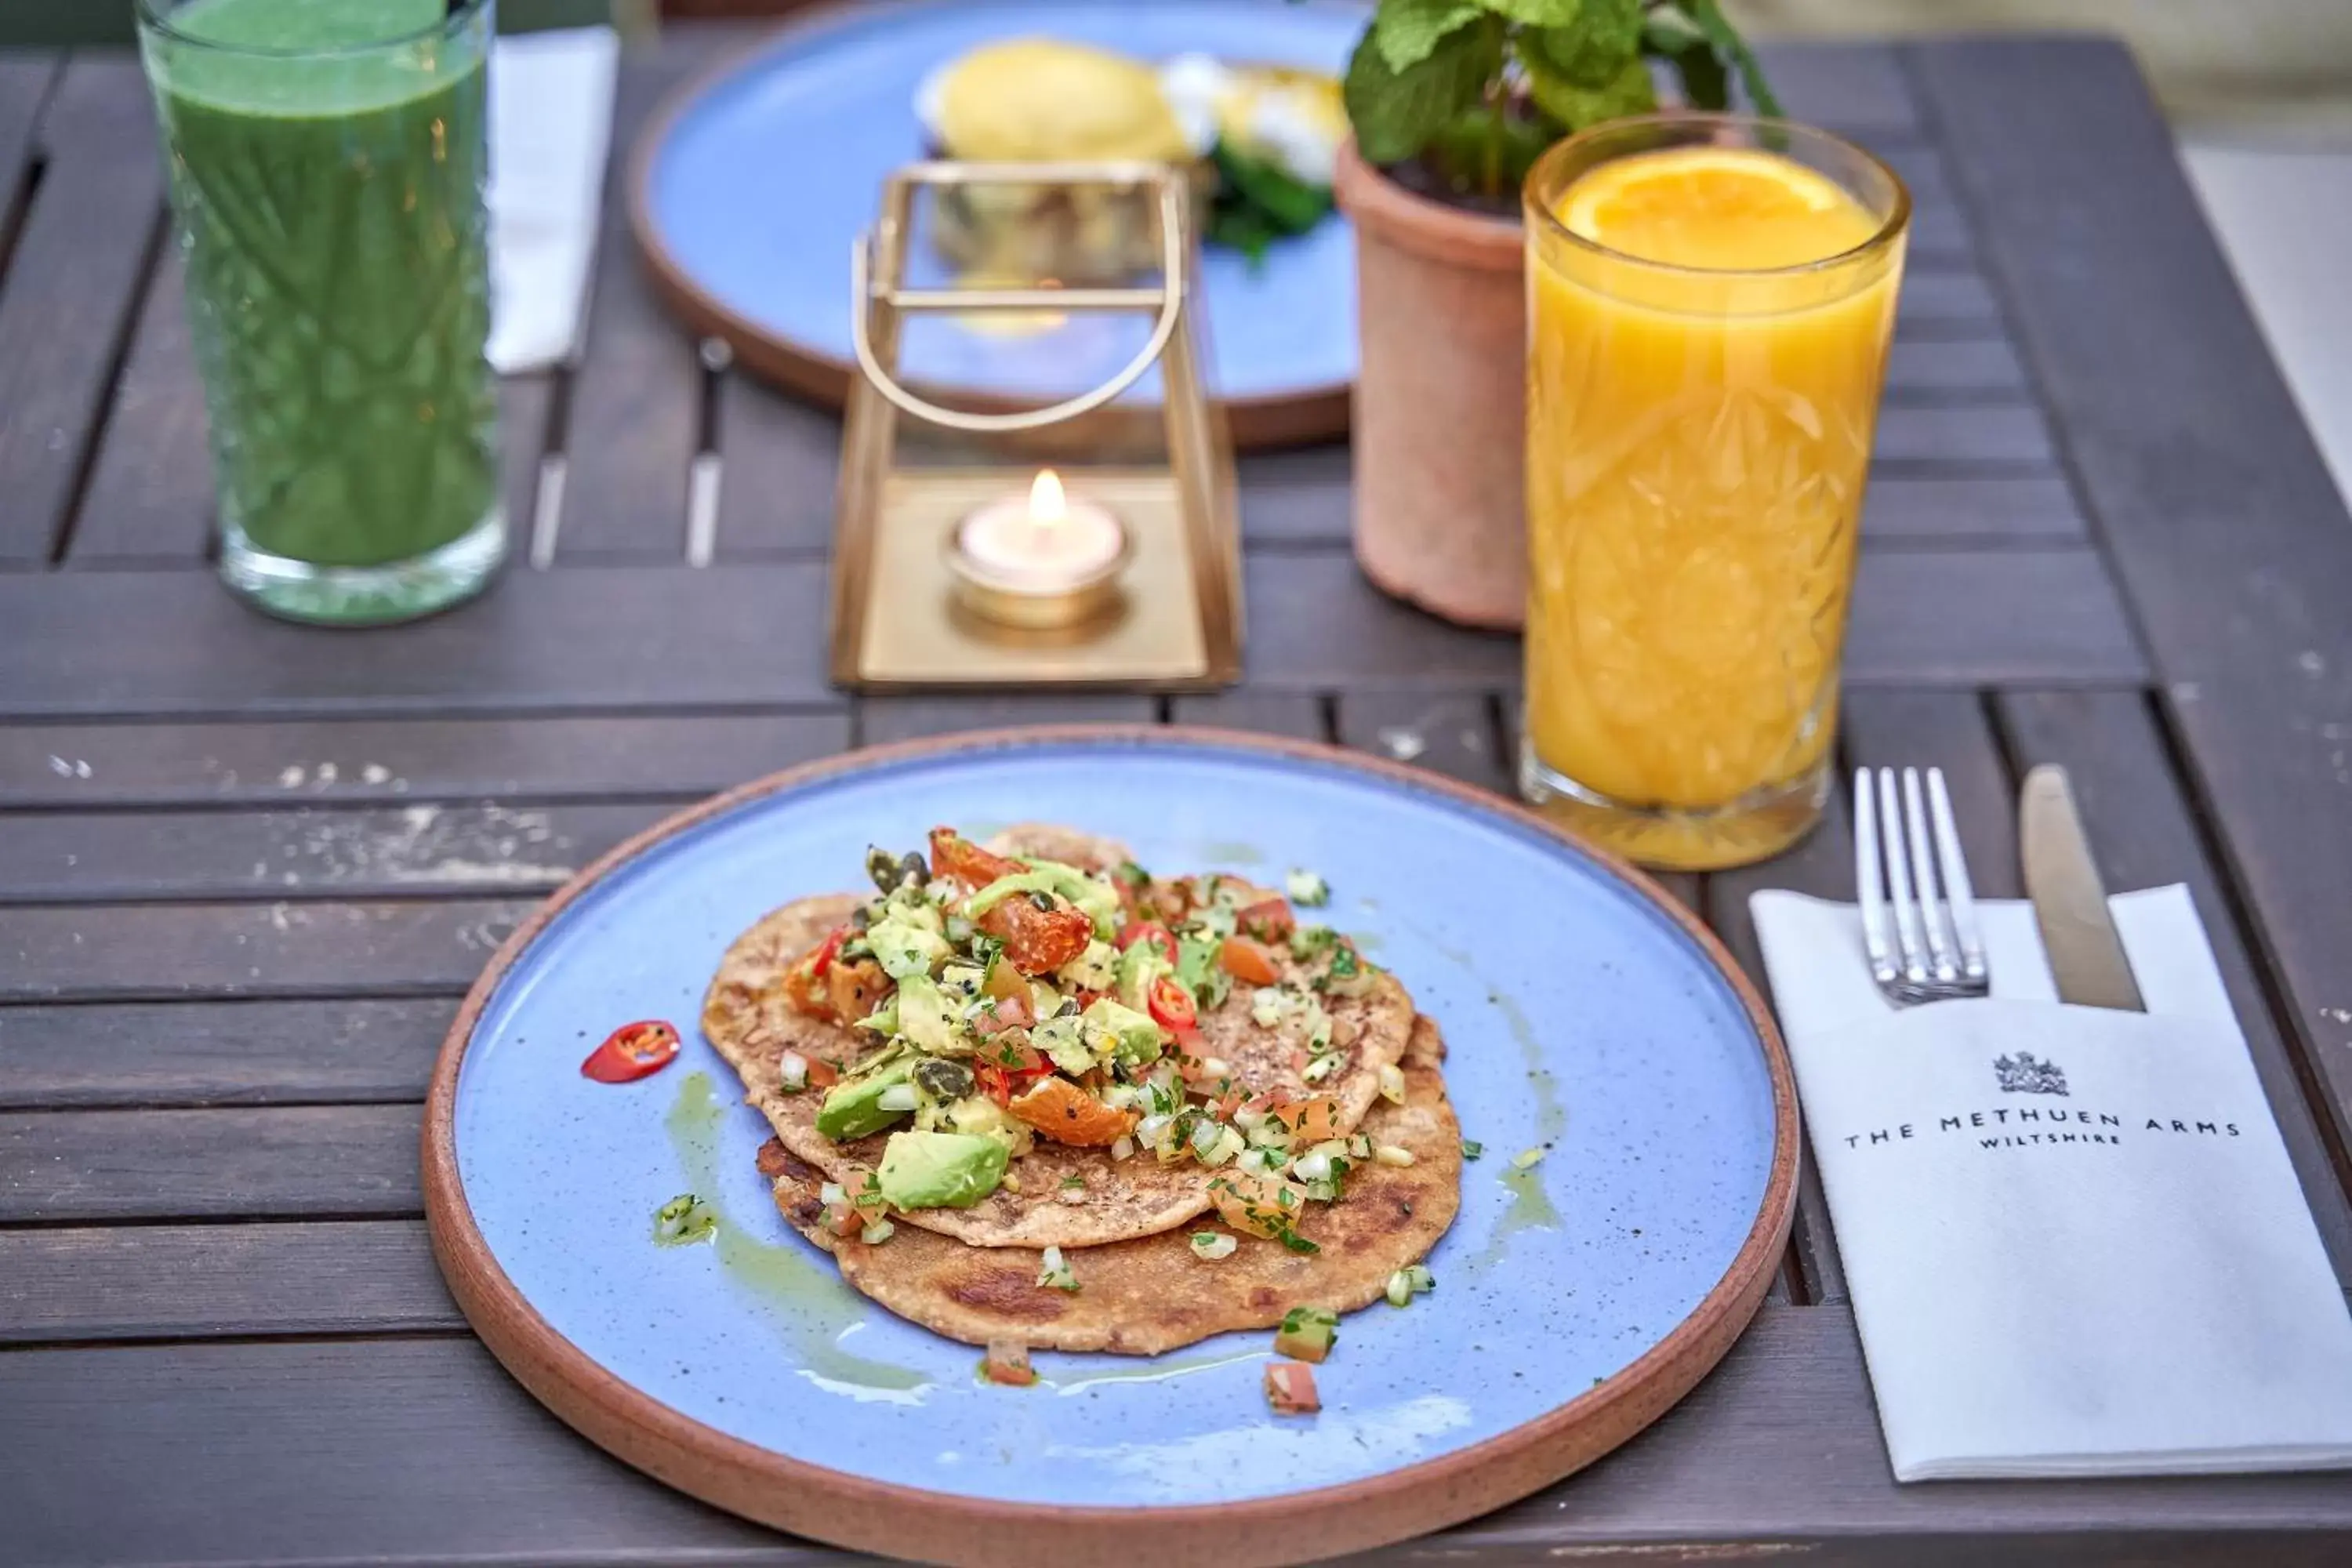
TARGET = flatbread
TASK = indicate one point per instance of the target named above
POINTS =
(1143, 1297)
(745, 1016)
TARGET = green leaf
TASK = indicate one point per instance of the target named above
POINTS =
(1700, 71)
(1593, 46)
(1709, 17)
(1395, 113)
(1540, 12)
(1407, 30)
(1630, 91)
(1482, 152)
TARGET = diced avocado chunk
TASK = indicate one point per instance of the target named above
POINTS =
(1199, 973)
(903, 948)
(1135, 1038)
(924, 1015)
(1138, 966)
(1306, 1333)
(1100, 903)
(1064, 1041)
(939, 1170)
(853, 1108)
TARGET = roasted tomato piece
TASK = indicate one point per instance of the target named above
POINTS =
(807, 983)
(855, 988)
(1268, 920)
(632, 1052)
(1063, 1111)
(1246, 959)
(1007, 1065)
(1038, 940)
(1003, 1014)
(959, 860)
(1312, 1121)
(1007, 1362)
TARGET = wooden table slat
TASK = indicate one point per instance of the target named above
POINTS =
(882, 720)
(187, 1281)
(307, 852)
(421, 1449)
(403, 761)
(130, 952)
(72, 291)
(149, 500)
(778, 462)
(185, 1053)
(1451, 733)
(2224, 524)
(84, 1165)
(1297, 714)
(654, 637)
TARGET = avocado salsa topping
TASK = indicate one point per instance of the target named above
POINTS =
(998, 1000)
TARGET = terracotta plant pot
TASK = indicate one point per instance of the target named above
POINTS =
(1440, 406)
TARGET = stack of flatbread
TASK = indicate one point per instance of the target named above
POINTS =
(1125, 1225)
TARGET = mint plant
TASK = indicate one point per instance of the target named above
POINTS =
(1470, 91)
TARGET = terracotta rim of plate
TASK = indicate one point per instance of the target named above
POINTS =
(976, 1533)
(1266, 423)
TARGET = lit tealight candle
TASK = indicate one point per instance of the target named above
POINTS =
(1044, 559)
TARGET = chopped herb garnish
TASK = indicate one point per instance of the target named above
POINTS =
(1525, 1159)
(682, 1221)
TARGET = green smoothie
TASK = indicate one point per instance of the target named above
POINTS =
(327, 166)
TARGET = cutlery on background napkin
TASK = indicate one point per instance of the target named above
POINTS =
(2073, 1240)
(2070, 903)
(551, 124)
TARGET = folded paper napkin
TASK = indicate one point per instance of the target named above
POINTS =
(551, 122)
(2073, 1240)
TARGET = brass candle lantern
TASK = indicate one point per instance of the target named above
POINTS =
(1089, 543)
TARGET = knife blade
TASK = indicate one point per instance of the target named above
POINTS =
(2070, 903)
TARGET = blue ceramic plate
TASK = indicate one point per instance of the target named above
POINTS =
(751, 192)
(1580, 1012)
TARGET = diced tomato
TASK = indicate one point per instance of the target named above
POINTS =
(1257, 1206)
(632, 1051)
(1086, 999)
(1172, 1005)
(1268, 919)
(822, 1074)
(1246, 959)
(1007, 1067)
(1063, 1111)
(1009, 1013)
(844, 1219)
(1158, 936)
(1290, 1388)
(1038, 942)
(959, 860)
(1007, 1362)
(1312, 1121)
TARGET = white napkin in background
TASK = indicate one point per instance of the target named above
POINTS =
(551, 124)
(2045, 1283)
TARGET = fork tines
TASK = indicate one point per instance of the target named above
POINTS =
(1918, 910)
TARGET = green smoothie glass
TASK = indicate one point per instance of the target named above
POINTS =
(328, 162)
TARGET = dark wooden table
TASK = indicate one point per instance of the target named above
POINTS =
(245, 869)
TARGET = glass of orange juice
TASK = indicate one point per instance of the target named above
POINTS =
(1710, 299)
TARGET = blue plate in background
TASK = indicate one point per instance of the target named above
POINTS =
(1574, 1300)
(750, 191)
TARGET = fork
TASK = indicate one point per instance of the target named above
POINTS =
(1935, 949)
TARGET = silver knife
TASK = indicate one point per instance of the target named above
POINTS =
(2086, 953)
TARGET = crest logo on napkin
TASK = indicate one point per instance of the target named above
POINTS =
(2023, 1075)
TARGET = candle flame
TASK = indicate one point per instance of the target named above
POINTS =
(1047, 505)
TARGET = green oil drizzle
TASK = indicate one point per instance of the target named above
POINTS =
(1234, 852)
(811, 1306)
(1531, 1207)
(1158, 1370)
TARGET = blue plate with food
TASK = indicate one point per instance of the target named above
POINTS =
(994, 1147)
(752, 188)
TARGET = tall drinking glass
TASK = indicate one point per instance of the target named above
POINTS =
(1710, 299)
(327, 161)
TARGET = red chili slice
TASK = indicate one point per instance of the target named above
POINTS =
(632, 1051)
(1172, 1005)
